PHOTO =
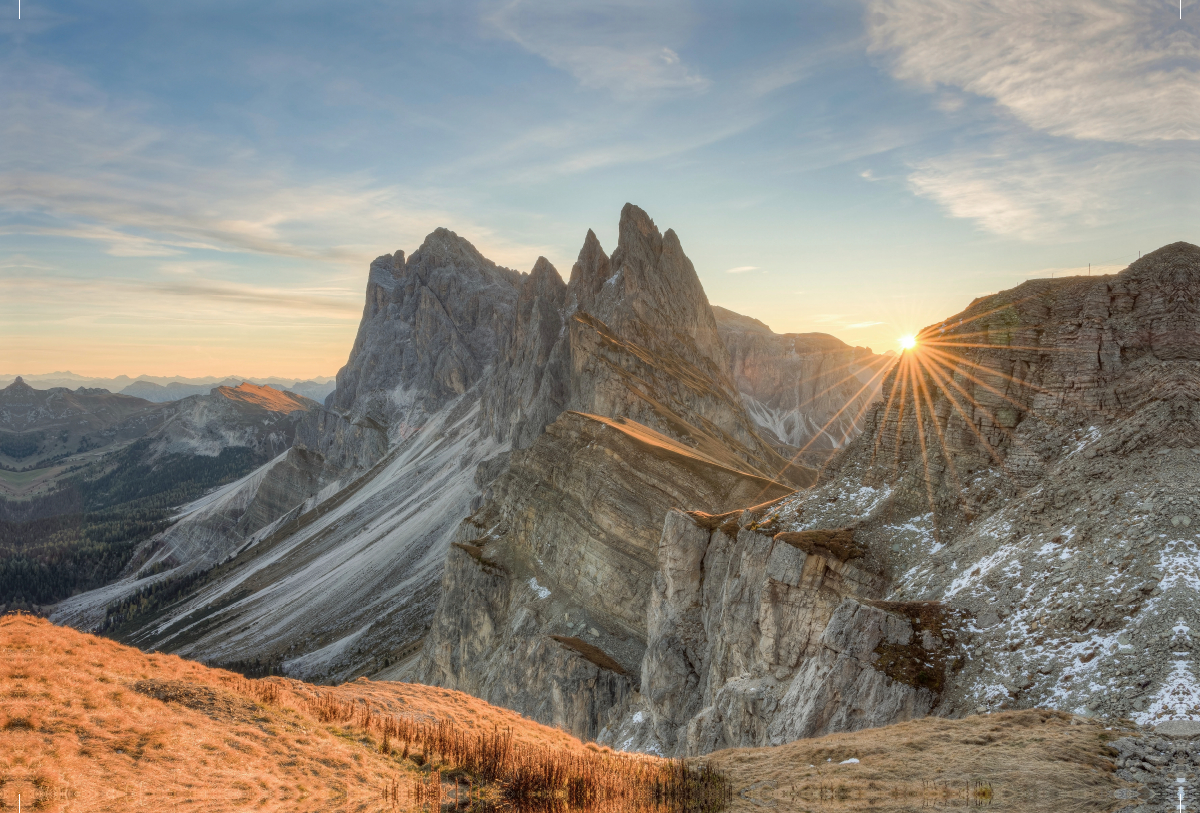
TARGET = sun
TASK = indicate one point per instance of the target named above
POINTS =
(908, 342)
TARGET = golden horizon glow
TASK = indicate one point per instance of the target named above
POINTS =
(907, 342)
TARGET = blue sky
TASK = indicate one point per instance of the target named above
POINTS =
(197, 188)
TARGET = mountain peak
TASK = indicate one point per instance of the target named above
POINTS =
(18, 385)
(443, 247)
(543, 269)
(265, 397)
(590, 271)
(637, 234)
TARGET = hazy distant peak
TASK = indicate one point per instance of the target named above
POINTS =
(737, 321)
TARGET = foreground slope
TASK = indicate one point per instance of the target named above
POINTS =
(88, 724)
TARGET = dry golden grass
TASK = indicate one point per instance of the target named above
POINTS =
(74, 732)
(89, 724)
(1027, 761)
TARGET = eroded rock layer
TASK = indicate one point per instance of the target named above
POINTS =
(1033, 465)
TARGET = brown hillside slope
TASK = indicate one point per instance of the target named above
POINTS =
(266, 397)
(89, 724)
(1033, 761)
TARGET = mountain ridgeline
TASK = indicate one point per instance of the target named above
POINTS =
(328, 562)
(587, 500)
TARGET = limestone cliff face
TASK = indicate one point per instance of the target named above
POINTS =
(645, 345)
(760, 639)
(656, 422)
(1032, 464)
(567, 547)
(808, 392)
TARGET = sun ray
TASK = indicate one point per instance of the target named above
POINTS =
(906, 364)
(1014, 439)
(838, 383)
(830, 422)
(967, 420)
(946, 456)
(924, 451)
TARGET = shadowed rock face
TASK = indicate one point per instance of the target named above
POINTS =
(808, 392)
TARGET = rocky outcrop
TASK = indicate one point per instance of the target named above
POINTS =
(1032, 465)
(655, 423)
(808, 392)
(754, 640)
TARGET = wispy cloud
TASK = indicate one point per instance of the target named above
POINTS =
(178, 299)
(860, 325)
(1111, 70)
(1033, 194)
(741, 269)
(625, 47)
(78, 165)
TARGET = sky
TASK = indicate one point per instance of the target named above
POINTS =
(198, 188)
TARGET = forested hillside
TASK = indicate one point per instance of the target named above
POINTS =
(82, 534)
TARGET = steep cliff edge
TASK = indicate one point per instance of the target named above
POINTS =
(1028, 476)
(760, 638)
(325, 563)
(807, 392)
(543, 605)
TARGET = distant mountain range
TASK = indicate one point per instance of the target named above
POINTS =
(160, 389)
(86, 474)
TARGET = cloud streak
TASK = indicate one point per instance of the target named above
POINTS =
(623, 47)
(1031, 194)
(1110, 70)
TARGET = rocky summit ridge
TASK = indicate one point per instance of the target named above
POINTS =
(459, 366)
(568, 498)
